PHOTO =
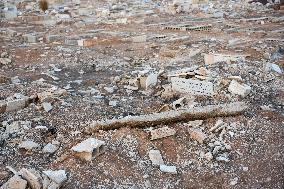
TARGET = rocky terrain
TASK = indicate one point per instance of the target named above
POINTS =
(141, 94)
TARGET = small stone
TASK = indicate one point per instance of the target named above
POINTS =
(168, 169)
(239, 89)
(162, 132)
(49, 148)
(89, 149)
(29, 145)
(16, 182)
(156, 157)
(197, 135)
(33, 178)
(47, 106)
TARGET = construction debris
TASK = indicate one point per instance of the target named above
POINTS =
(191, 86)
(183, 87)
(170, 117)
(156, 157)
(239, 89)
(168, 169)
(89, 149)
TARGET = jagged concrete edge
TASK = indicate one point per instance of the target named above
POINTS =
(168, 117)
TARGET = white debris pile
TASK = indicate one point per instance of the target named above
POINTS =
(35, 180)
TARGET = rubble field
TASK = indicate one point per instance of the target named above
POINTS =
(141, 94)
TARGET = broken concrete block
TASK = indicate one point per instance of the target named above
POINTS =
(239, 89)
(87, 42)
(89, 149)
(197, 135)
(17, 104)
(33, 178)
(168, 169)
(162, 132)
(214, 58)
(191, 86)
(29, 145)
(156, 157)
(53, 38)
(151, 81)
(16, 182)
(30, 38)
(47, 106)
(54, 179)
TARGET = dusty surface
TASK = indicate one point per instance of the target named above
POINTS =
(256, 157)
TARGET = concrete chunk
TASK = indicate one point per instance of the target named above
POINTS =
(56, 178)
(89, 149)
(156, 157)
(168, 169)
(239, 89)
(191, 86)
(17, 104)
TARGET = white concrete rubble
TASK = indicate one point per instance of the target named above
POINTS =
(89, 149)
(156, 157)
(54, 179)
(191, 86)
(239, 89)
(168, 169)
